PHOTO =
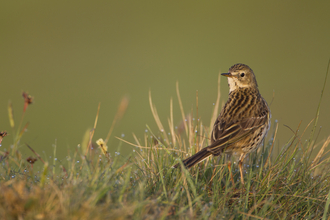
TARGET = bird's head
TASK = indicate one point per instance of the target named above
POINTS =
(240, 76)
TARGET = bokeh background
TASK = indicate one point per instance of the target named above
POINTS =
(71, 55)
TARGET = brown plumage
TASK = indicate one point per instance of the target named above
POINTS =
(243, 122)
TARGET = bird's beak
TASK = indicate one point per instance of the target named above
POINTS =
(227, 74)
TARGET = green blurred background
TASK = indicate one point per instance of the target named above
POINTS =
(71, 55)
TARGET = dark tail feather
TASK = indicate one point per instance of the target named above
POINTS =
(195, 159)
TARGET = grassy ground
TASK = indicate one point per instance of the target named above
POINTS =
(97, 185)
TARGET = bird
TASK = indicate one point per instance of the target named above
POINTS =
(242, 123)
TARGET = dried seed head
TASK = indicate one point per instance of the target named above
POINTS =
(31, 160)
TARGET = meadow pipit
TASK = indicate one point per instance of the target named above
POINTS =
(243, 121)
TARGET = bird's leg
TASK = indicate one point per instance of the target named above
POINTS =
(213, 174)
(231, 174)
(240, 164)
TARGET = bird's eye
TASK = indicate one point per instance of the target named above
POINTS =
(242, 74)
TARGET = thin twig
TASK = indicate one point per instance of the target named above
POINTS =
(36, 154)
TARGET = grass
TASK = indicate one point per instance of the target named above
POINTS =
(97, 185)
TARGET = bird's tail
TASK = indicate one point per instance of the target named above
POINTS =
(195, 159)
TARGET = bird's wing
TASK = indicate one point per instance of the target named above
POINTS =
(226, 134)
